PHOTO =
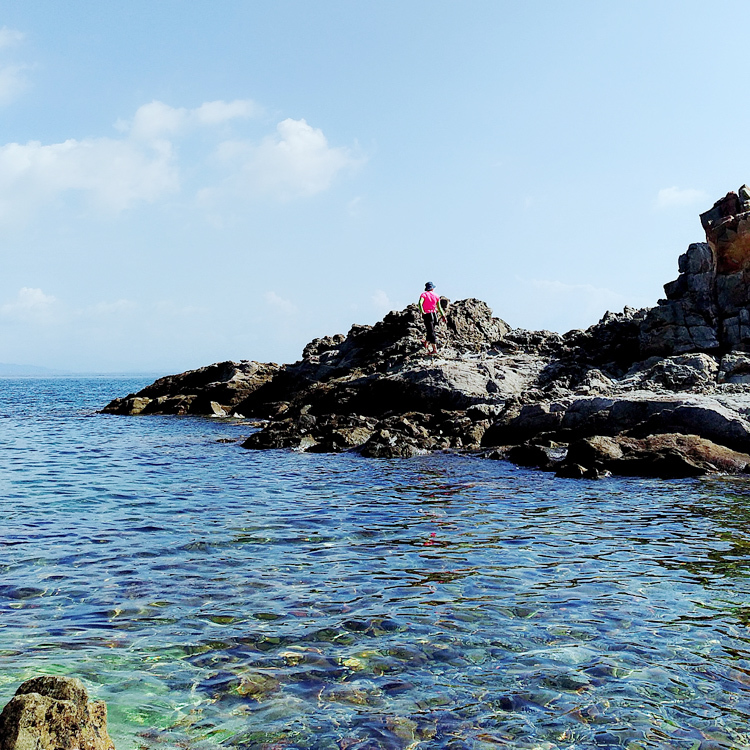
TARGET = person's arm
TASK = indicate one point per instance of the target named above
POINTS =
(421, 304)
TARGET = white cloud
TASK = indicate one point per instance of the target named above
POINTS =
(157, 120)
(295, 161)
(10, 37)
(213, 113)
(114, 173)
(29, 304)
(12, 79)
(117, 308)
(381, 301)
(12, 82)
(674, 197)
(280, 304)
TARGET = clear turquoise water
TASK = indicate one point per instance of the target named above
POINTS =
(214, 596)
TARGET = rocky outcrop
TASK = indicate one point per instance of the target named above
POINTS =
(54, 713)
(677, 369)
(707, 308)
(212, 391)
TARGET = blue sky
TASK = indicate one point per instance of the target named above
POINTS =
(187, 182)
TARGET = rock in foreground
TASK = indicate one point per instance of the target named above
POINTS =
(54, 713)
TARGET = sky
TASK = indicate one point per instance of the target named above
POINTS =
(192, 181)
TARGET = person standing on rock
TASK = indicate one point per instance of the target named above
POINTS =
(430, 306)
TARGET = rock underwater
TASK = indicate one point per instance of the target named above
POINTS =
(54, 713)
(667, 389)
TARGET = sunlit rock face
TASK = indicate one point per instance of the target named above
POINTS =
(707, 306)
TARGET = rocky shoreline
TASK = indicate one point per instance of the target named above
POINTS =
(659, 392)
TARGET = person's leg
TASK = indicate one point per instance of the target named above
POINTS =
(434, 333)
(429, 324)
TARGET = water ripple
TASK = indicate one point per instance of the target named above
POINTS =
(274, 600)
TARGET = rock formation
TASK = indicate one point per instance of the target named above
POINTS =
(54, 713)
(667, 381)
(708, 306)
(214, 390)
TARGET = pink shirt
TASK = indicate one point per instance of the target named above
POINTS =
(430, 301)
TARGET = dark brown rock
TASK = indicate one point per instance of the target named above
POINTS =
(667, 456)
(213, 391)
(531, 456)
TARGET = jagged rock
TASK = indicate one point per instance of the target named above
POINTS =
(639, 414)
(707, 305)
(734, 368)
(54, 713)
(679, 373)
(208, 390)
(328, 434)
(532, 420)
(384, 443)
(532, 456)
(667, 456)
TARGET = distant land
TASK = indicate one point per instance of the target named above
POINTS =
(35, 371)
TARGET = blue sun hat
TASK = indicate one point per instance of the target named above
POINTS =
(429, 286)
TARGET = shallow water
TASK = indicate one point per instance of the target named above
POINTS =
(215, 596)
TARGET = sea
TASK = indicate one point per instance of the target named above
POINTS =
(217, 597)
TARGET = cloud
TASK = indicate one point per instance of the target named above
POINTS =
(102, 309)
(115, 174)
(10, 37)
(12, 78)
(213, 113)
(296, 161)
(29, 304)
(157, 120)
(674, 197)
(280, 304)
(381, 301)
(12, 82)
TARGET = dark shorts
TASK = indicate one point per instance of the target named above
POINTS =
(430, 320)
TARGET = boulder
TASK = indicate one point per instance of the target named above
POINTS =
(667, 456)
(532, 456)
(734, 368)
(54, 713)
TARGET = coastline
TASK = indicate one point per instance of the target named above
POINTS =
(662, 391)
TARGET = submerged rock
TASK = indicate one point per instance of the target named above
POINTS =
(54, 713)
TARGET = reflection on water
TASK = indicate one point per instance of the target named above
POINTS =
(214, 596)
